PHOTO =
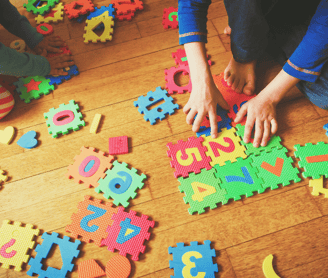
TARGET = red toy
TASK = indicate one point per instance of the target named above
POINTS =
(125, 9)
(45, 29)
(188, 156)
(170, 18)
(73, 11)
(180, 58)
(118, 266)
(90, 269)
(170, 85)
(118, 145)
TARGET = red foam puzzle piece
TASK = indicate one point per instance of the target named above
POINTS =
(72, 12)
(118, 145)
(174, 24)
(90, 269)
(171, 86)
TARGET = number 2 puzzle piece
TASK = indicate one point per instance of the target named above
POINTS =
(317, 186)
(92, 220)
(93, 23)
(128, 233)
(313, 159)
(195, 260)
(32, 6)
(79, 7)
(15, 241)
(275, 167)
(158, 112)
(120, 183)
(55, 15)
(202, 191)
(170, 18)
(239, 178)
(188, 156)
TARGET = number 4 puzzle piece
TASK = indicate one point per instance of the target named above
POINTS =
(317, 185)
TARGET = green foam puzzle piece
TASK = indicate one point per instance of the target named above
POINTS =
(44, 88)
(202, 190)
(40, 10)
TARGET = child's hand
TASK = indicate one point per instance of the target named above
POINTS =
(49, 44)
(203, 100)
(58, 63)
(260, 111)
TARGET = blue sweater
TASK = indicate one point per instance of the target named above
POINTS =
(11, 61)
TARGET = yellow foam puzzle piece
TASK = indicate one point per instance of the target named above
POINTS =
(7, 135)
(15, 241)
(18, 45)
(268, 268)
(225, 147)
(92, 23)
(58, 15)
(2, 176)
(317, 185)
(95, 123)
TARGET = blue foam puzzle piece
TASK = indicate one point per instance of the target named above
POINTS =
(126, 224)
(28, 140)
(61, 78)
(101, 10)
(81, 18)
(325, 127)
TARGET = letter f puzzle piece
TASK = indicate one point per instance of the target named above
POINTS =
(195, 260)
(128, 233)
(73, 121)
(159, 112)
(92, 220)
(15, 241)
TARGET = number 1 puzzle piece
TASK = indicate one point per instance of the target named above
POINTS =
(317, 185)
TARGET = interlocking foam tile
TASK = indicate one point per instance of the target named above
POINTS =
(100, 11)
(239, 178)
(126, 8)
(317, 186)
(313, 159)
(73, 10)
(158, 112)
(89, 167)
(202, 191)
(90, 269)
(31, 6)
(93, 23)
(72, 71)
(195, 260)
(92, 220)
(68, 251)
(188, 156)
(234, 99)
(73, 119)
(225, 147)
(170, 18)
(274, 142)
(120, 183)
(118, 266)
(118, 145)
(170, 85)
(55, 15)
(180, 57)
(128, 233)
(275, 167)
(33, 87)
(15, 241)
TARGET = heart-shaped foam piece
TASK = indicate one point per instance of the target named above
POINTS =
(118, 266)
(7, 135)
(28, 140)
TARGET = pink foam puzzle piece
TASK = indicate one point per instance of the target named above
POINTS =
(118, 145)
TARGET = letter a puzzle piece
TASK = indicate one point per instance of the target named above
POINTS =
(202, 191)
(225, 147)
(195, 260)
(239, 178)
(317, 185)
(128, 233)
(90, 269)
(188, 156)
(275, 167)
(120, 183)
(73, 122)
(313, 159)
(68, 251)
(89, 167)
(15, 241)
(159, 112)
(92, 220)
(55, 15)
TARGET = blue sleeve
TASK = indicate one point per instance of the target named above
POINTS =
(18, 25)
(309, 57)
(192, 20)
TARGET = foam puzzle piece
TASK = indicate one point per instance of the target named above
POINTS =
(124, 7)
(7, 135)
(95, 123)
(68, 250)
(274, 142)
(18, 85)
(313, 159)
(188, 156)
(89, 167)
(317, 186)
(92, 220)
(326, 128)
(45, 29)
(180, 57)
(90, 269)
(118, 266)
(54, 16)
(170, 18)
(31, 6)
(118, 145)
(128, 233)
(72, 11)
(202, 191)
(127, 16)
(171, 86)
(72, 71)
(195, 260)
(7, 102)
(3, 177)
(268, 268)
(225, 147)
(275, 167)
(73, 122)
(18, 45)
(91, 24)
(109, 11)
(120, 183)
(239, 178)
(28, 140)
(158, 112)
(15, 242)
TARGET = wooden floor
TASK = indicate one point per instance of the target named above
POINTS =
(288, 222)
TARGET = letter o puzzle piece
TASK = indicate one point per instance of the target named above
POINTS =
(131, 230)
(89, 167)
(18, 45)
(90, 269)
(74, 123)
(195, 260)
(15, 241)
(170, 18)
(92, 220)
(68, 251)
(118, 266)
(120, 183)
(171, 86)
(72, 10)
(32, 6)
(93, 23)
(55, 15)
(45, 29)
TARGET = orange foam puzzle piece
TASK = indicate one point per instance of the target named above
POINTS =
(90, 269)
(118, 266)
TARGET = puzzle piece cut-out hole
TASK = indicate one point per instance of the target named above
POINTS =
(182, 78)
(54, 258)
(155, 104)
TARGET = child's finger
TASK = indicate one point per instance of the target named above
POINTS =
(274, 126)
(241, 113)
(222, 102)
(259, 128)
(186, 108)
(190, 117)
(54, 49)
(199, 118)
(266, 133)
(213, 123)
(248, 129)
